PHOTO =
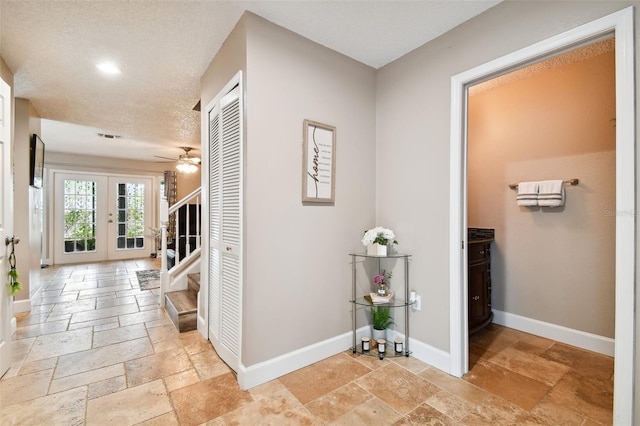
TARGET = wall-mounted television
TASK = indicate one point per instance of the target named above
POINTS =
(37, 161)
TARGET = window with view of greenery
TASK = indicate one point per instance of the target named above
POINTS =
(80, 211)
(130, 222)
(79, 216)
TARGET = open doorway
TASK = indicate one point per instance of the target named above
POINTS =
(621, 25)
(549, 265)
(548, 276)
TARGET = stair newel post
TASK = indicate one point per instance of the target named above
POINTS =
(164, 274)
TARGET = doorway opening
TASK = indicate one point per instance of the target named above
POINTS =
(102, 217)
(619, 24)
(549, 261)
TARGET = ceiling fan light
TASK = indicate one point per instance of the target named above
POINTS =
(186, 167)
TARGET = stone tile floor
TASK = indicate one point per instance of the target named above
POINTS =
(97, 350)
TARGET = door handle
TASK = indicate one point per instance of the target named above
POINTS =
(12, 240)
(110, 221)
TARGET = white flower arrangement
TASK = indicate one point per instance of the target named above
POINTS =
(379, 235)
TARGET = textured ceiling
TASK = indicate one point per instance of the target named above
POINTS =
(579, 54)
(163, 48)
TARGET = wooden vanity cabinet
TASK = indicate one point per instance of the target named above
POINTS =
(479, 268)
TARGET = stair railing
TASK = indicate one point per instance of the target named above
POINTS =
(192, 248)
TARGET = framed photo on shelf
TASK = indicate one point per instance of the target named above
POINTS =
(318, 163)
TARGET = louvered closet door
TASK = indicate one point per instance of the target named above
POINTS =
(214, 225)
(225, 227)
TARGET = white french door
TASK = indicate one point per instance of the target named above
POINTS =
(224, 278)
(100, 217)
(6, 224)
(129, 217)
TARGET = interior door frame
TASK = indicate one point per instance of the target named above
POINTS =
(621, 25)
(7, 319)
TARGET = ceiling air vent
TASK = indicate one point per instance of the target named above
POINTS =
(108, 136)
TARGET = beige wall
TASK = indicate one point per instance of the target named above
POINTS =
(5, 73)
(230, 59)
(297, 275)
(26, 200)
(187, 183)
(413, 119)
(76, 162)
(553, 265)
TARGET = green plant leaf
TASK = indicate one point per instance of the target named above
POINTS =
(381, 317)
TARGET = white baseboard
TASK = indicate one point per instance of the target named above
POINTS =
(25, 304)
(21, 306)
(201, 325)
(580, 339)
(249, 377)
(254, 375)
(431, 355)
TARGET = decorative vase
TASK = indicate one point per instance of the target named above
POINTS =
(390, 334)
(382, 290)
(376, 249)
(378, 334)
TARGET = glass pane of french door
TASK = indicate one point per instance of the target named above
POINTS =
(130, 218)
(80, 230)
(80, 210)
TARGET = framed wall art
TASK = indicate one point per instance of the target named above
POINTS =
(318, 162)
(36, 164)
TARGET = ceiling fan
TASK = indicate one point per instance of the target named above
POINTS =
(185, 163)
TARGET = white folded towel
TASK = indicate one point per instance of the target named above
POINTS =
(527, 194)
(551, 193)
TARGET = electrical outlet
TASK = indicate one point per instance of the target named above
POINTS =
(417, 304)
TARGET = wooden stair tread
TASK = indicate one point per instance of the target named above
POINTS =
(184, 301)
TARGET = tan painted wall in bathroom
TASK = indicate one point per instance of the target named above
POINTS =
(553, 265)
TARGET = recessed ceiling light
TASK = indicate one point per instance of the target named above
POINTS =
(108, 68)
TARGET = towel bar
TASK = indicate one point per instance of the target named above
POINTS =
(572, 182)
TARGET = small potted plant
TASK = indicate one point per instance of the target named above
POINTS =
(380, 321)
(377, 239)
(381, 282)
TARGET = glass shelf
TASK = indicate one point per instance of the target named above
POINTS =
(388, 256)
(393, 303)
(364, 300)
(390, 353)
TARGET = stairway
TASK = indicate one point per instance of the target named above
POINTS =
(182, 306)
